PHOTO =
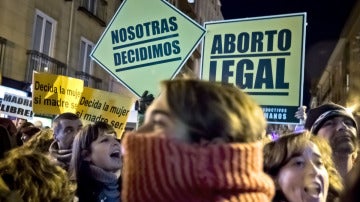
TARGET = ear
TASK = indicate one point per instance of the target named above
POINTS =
(85, 154)
(354, 157)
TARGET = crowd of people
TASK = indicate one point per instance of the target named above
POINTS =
(200, 141)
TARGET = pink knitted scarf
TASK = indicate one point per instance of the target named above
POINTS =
(159, 169)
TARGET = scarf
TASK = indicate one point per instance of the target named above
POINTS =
(157, 168)
(108, 179)
(62, 156)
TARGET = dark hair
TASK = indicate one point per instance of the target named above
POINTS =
(82, 143)
(5, 142)
(26, 125)
(9, 125)
(67, 115)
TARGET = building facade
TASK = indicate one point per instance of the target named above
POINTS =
(340, 81)
(57, 37)
(201, 11)
(54, 37)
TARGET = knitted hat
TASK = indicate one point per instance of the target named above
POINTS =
(317, 116)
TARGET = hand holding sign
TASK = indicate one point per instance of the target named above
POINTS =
(145, 100)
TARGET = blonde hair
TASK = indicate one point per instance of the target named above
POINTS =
(34, 177)
(212, 110)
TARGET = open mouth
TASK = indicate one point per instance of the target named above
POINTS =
(346, 138)
(313, 190)
(115, 154)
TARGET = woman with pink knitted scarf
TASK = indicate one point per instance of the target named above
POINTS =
(200, 142)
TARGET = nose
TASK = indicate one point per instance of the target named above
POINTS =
(341, 125)
(116, 141)
(312, 169)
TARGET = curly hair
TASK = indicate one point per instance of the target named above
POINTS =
(278, 153)
(41, 141)
(34, 177)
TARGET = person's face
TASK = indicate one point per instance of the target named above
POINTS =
(159, 118)
(340, 133)
(105, 153)
(67, 131)
(20, 122)
(304, 178)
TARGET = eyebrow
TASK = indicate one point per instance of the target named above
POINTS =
(317, 155)
(294, 155)
(162, 112)
(68, 127)
(107, 135)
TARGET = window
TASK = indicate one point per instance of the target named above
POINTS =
(85, 70)
(42, 43)
(85, 62)
(91, 6)
(43, 35)
(95, 9)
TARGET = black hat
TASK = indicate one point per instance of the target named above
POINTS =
(316, 117)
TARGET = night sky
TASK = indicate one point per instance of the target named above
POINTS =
(325, 21)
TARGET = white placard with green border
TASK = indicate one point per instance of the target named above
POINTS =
(145, 42)
(264, 56)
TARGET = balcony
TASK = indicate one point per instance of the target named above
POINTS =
(41, 62)
(89, 81)
(95, 9)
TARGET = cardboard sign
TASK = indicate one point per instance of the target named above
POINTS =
(146, 41)
(264, 56)
(17, 106)
(56, 94)
(97, 105)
